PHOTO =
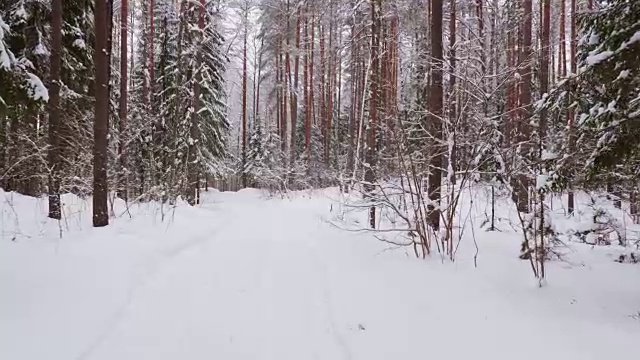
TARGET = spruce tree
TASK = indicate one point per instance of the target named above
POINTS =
(607, 91)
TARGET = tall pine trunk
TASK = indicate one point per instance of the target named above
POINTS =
(521, 186)
(294, 90)
(54, 110)
(101, 114)
(311, 109)
(305, 85)
(570, 113)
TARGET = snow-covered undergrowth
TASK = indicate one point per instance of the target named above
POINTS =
(248, 276)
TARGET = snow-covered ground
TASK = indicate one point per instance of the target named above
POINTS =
(244, 276)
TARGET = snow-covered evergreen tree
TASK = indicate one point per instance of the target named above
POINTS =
(23, 92)
(604, 95)
(213, 98)
(265, 165)
(608, 85)
(6, 56)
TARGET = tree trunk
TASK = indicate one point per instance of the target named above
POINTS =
(322, 83)
(152, 35)
(329, 92)
(259, 66)
(371, 154)
(244, 98)
(521, 188)
(284, 62)
(311, 109)
(278, 91)
(305, 85)
(435, 96)
(122, 125)
(54, 111)
(544, 64)
(570, 113)
(289, 136)
(562, 51)
(101, 122)
(294, 91)
(452, 80)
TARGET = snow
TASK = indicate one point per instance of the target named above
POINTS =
(5, 55)
(37, 88)
(624, 74)
(548, 155)
(41, 50)
(542, 180)
(5, 60)
(635, 37)
(248, 276)
(79, 43)
(20, 13)
(597, 58)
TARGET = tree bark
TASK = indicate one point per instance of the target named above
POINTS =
(285, 98)
(322, 84)
(521, 187)
(122, 125)
(54, 111)
(544, 64)
(570, 113)
(101, 123)
(152, 35)
(244, 98)
(305, 85)
(562, 56)
(294, 90)
(371, 153)
(311, 109)
(452, 79)
(435, 96)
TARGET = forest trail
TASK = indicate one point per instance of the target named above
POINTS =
(244, 277)
(253, 290)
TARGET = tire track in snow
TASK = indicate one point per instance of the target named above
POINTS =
(150, 269)
(327, 300)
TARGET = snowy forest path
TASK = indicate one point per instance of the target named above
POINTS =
(245, 277)
(259, 290)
